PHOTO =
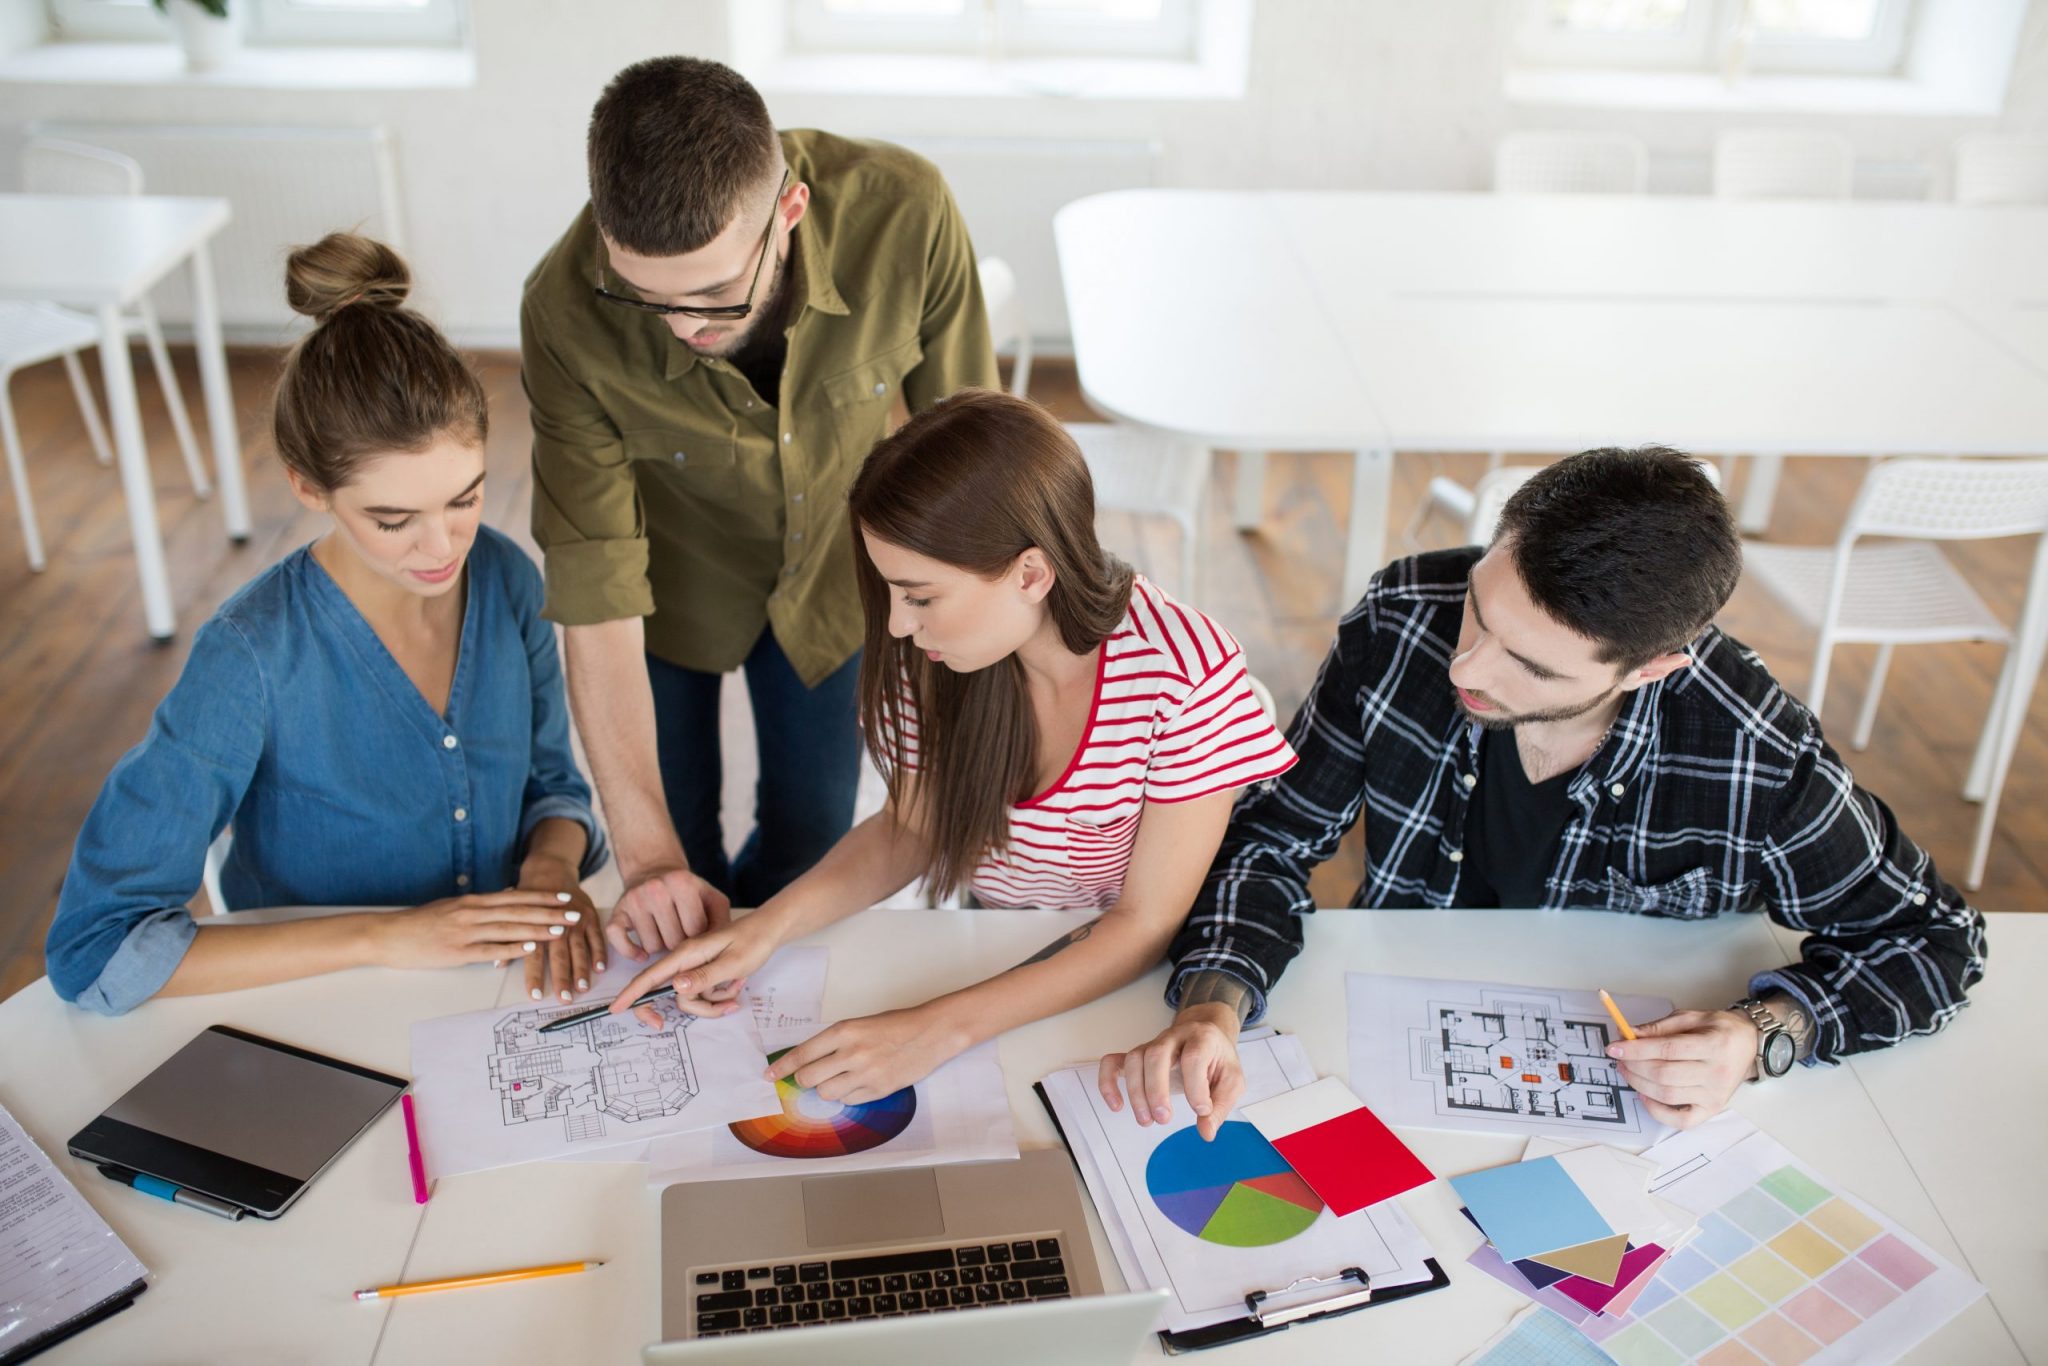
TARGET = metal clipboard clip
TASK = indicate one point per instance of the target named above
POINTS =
(1329, 1304)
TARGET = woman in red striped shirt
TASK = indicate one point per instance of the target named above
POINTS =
(1054, 731)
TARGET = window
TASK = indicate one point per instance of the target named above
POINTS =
(281, 23)
(1837, 37)
(996, 28)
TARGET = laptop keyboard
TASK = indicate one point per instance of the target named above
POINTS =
(883, 1285)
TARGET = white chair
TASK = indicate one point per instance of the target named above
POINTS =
(1907, 592)
(1996, 170)
(29, 335)
(1570, 163)
(1778, 163)
(209, 877)
(1782, 163)
(1137, 471)
(60, 166)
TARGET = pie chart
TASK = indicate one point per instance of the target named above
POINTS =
(1236, 1190)
(811, 1126)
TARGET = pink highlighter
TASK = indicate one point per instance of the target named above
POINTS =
(412, 1149)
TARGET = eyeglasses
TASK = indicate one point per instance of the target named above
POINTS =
(723, 312)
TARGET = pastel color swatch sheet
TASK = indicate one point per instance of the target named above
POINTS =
(1338, 1146)
(1527, 1208)
(1783, 1282)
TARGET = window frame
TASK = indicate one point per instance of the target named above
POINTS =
(1716, 36)
(992, 28)
(273, 23)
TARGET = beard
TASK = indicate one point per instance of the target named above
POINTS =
(767, 316)
(1506, 720)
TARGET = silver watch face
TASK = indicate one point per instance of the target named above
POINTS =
(1778, 1053)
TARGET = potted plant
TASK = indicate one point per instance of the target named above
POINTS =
(206, 31)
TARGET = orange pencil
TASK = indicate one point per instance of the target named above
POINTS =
(1620, 1022)
(385, 1292)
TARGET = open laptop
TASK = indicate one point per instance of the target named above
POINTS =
(907, 1257)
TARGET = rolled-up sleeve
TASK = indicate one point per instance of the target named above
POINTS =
(1891, 948)
(586, 508)
(122, 924)
(555, 787)
(953, 325)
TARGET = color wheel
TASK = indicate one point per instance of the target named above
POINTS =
(1236, 1190)
(810, 1126)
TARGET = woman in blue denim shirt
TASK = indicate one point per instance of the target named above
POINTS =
(379, 717)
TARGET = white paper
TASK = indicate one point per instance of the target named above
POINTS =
(962, 1115)
(58, 1258)
(1209, 1280)
(490, 1091)
(1317, 1103)
(1461, 1055)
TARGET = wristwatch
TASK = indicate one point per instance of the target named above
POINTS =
(1776, 1050)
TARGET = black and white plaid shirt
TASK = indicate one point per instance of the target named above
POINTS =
(1714, 792)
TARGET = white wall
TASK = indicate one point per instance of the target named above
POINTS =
(1391, 94)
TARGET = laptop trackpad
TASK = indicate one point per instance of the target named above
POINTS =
(874, 1207)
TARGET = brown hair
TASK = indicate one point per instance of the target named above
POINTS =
(974, 481)
(678, 146)
(372, 376)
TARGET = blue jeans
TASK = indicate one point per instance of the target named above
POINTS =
(808, 740)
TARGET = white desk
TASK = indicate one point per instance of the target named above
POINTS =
(1940, 1134)
(101, 253)
(1383, 322)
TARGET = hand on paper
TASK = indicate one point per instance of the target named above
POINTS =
(662, 909)
(481, 928)
(709, 969)
(1687, 1066)
(860, 1060)
(1202, 1042)
(566, 962)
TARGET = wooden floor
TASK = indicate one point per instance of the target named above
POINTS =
(79, 678)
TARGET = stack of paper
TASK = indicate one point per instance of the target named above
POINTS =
(1574, 1227)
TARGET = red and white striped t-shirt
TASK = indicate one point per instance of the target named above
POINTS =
(1173, 718)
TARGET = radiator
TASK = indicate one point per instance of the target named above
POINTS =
(288, 186)
(1008, 190)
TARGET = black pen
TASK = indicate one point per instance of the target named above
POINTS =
(583, 1016)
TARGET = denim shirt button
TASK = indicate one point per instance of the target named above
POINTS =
(447, 742)
(461, 813)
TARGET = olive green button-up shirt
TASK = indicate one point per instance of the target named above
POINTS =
(666, 488)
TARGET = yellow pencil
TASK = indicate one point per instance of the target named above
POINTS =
(1620, 1022)
(526, 1273)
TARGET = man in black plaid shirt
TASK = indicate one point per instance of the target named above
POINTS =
(1554, 722)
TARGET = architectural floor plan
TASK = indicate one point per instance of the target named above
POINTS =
(1483, 1055)
(1520, 1055)
(602, 1072)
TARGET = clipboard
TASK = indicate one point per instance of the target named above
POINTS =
(1346, 1290)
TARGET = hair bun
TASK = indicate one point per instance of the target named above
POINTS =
(344, 268)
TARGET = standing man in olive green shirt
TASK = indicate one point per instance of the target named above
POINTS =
(710, 351)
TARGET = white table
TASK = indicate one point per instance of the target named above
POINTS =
(1940, 1134)
(101, 253)
(1383, 322)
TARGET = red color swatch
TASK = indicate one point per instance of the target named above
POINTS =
(1353, 1161)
